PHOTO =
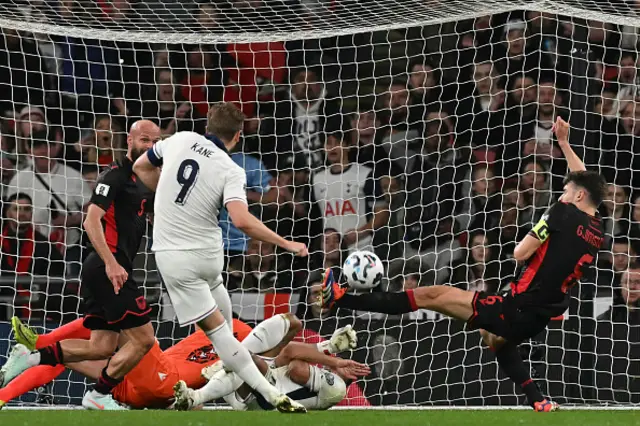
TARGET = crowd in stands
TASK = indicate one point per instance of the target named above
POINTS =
(439, 166)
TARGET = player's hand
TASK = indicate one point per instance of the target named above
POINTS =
(117, 275)
(561, 129)
(298, 249)
(350, 238)
(350, 369)
(343, 339)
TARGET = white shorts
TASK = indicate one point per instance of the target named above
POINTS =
(190, 276)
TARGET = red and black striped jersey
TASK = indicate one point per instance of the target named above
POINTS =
(570, 241)
(125, 201)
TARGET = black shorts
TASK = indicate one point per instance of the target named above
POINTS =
(106, 310)
(498, 315)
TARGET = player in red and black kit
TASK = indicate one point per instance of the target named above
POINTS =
(553, 255)
(116, 310)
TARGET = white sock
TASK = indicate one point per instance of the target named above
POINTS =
(33, 359)
(219, 386)
(237, 358)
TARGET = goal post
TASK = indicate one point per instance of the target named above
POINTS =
(426, 121)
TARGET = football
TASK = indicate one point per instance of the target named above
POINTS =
(363, 270)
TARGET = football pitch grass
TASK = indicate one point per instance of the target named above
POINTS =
(323, 418)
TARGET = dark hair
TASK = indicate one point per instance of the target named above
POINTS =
(343, 135)
(620, 240)
(591, 181)
(633, 265)
(630, 53)
(19, 196)
(89, 168)
(224, 120)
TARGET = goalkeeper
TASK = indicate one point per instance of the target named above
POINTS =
(554, 255)
(150, 384)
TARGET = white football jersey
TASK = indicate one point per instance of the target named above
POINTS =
(198, 178)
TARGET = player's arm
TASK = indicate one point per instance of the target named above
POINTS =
(549, 223)
(101, 200)
(526, 248)
(147, 166)
(308, 353)
(235, 201)
(561, 129)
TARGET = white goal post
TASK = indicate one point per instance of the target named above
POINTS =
(418, 129)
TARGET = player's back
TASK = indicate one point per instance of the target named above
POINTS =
(195, 180)
(570, 240)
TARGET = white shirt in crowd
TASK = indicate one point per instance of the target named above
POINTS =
(66, 183)
(347, 199)
(198, 178)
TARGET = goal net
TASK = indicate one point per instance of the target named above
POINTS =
(420, 130)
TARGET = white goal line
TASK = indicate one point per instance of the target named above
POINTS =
(567, 407)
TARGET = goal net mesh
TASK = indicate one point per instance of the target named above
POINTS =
(420, 130)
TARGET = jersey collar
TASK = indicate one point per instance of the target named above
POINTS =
(217, 142)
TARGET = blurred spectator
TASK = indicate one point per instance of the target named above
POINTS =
(329, 251)
(258, 270)
(480, 270)
(537, 127)
(627, 80)
(169, 110)
(203, 83)
(293, 191)
(90, 74)
(104, 144)
(603, 42)
(24, 249)
(299, 117)
(612, 265)
(509, 230)
(22, 72)
(619, 157)
(514, 58)
(634, 232)
(427, 90)
(436, 185)
(346, 195)
(262, 193)
(626, 304)
(30, 120)
(90, 173)
(480, 109)
(59, 193)
(255, 71)
(535, 191)
(7, 171)
(482, 205)
(366, 131)
(616, 214)
(399, 140)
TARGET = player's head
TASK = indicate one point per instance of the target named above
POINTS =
(225, 121)
(337, 145)
(585, 189)
(19, 212)
(142, 135)
(630, 285)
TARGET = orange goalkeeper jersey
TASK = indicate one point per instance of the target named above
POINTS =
(150, 383)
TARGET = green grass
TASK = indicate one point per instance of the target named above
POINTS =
(326, 418)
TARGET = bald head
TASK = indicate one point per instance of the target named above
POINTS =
(142, 135)
(630, 285)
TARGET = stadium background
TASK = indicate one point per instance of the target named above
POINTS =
(452, 118)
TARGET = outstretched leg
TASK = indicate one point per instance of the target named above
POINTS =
(450, 301)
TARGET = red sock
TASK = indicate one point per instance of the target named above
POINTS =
(73, 330)
(30, 379)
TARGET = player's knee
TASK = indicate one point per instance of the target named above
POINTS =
(145, 342)
(299, 372)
